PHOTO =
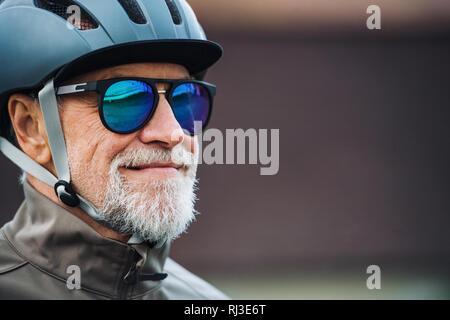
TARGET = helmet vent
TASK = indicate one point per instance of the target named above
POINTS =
(59, 7)
(133, 11)
(176, 17)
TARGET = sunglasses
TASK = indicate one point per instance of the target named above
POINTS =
(127, 104)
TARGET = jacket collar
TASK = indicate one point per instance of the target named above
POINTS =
(52, 239)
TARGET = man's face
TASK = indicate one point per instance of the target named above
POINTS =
(142, 182)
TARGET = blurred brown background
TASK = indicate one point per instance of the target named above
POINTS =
(364, 157)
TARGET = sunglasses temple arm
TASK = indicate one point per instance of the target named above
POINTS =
(75, 88)
(213, 90)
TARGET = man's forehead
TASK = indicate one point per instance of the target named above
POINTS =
(145, 70)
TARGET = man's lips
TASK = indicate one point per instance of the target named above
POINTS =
(152, 165)
(152, 171)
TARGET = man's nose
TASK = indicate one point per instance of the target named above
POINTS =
(163, 128)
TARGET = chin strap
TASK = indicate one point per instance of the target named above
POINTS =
(61, 185)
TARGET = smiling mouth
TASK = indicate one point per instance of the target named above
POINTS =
(155, 165)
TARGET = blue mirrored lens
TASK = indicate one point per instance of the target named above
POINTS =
(127, 105)
(191, 102)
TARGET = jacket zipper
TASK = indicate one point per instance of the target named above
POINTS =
(124, 286)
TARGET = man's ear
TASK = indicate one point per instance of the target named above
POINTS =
(28, 124)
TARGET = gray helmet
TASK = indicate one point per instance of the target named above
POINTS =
(43, 43)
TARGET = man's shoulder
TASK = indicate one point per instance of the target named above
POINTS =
(11, 271)
(194, 286)
(9, 258)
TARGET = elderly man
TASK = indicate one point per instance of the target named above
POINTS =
(101, 113)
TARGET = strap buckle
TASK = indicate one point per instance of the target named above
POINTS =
(66, 194)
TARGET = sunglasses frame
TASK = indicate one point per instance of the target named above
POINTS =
(101, 86)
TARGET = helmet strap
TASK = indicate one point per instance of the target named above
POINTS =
(61, 185)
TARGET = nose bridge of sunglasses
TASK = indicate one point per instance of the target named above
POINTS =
(163, 87)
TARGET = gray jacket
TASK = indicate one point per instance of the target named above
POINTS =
(48, 253)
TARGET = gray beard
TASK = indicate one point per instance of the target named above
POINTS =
(163, 211)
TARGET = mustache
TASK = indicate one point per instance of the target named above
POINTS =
(147, 155)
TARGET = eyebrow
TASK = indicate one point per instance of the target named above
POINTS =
(114, 74)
